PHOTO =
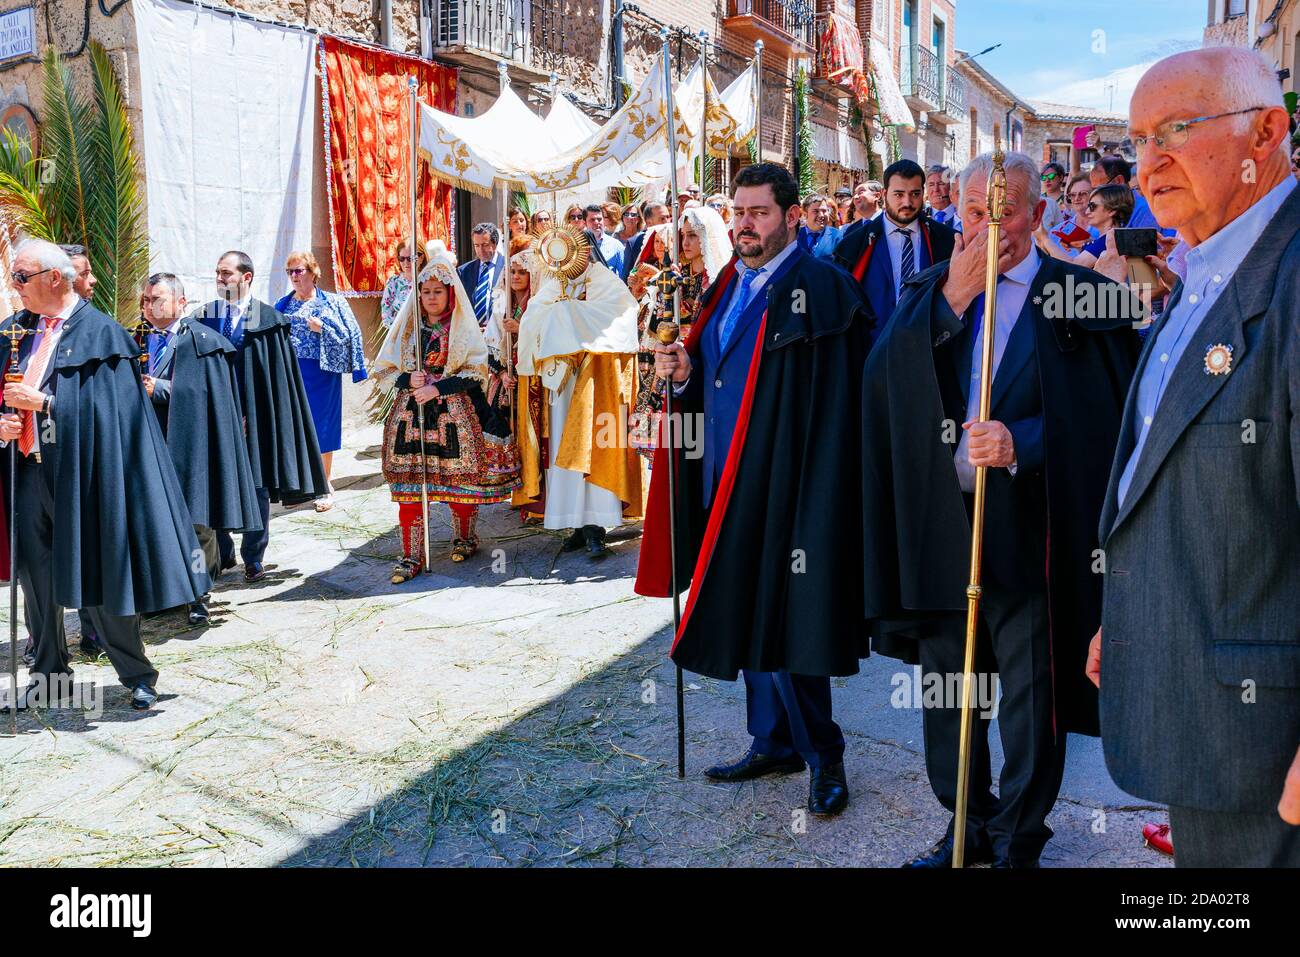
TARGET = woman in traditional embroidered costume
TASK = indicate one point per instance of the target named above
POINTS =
(468, 456)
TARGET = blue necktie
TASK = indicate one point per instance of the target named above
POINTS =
(228, 323)
(738, 305)
(155, 353)
(907, 268)
(483, 293)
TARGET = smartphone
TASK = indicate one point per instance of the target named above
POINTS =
(1135, 243)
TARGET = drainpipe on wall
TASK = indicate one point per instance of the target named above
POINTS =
(386, 23)
(617, 40)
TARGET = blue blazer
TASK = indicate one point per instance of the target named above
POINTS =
(723, 372)
(470, 272)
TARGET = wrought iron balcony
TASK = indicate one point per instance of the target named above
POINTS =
(784, 26)
(954, 94)
(919, 77)
(522, 33)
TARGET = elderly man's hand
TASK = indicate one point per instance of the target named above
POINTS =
(965, 279)
(990, 444)
(11, 426)
(148, 384)
(19, 395)
(1111, 264)
(1093, 668)
(1289, 806)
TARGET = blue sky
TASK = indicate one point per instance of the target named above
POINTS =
(1051, 50)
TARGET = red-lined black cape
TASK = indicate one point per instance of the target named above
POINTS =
(776, 564)
(916, 533)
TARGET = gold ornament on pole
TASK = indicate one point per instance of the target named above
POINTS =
(996, 201)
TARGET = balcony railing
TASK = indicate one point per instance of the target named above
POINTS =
(791, 17)
(919, 76)
(954, 94)
(524, 32)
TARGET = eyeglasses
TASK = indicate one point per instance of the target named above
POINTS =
(576, 218)
(716, 205)
(404, 260)
(296, 271)
(1077, 195)
(1174, 134)
(21, 278)
(1048, 177)
(631, 214)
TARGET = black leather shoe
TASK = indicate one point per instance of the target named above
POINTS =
(755, 765)
(574, 542)
(47, 694)
(91, 646)
(254, 572)
(828, 791)
(199, 613)
(228, 564)
(143, 697)
(1006, 862)
(595, 538)
(29, 653)
(941, 855)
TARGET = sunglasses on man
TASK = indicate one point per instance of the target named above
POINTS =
(21, 278)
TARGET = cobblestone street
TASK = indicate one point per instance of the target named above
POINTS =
(516, 709)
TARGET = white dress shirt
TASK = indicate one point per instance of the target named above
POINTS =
(1013, 289)
(894, 238)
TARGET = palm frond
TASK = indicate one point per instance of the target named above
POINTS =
(67, 166)
(116, 232)
(21, 203)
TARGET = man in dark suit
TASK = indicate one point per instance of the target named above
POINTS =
(190, 375)
(885, 252)
(101, 521)
(1058, 378)
(1198, 656)
(282, 448)
(479, 275)
(772, 370)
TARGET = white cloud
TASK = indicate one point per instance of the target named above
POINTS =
(1110, 91)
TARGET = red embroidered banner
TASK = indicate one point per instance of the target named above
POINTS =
(368, 148)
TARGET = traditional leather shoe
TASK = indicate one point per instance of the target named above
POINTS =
(1157, 836)
(828, 791)
(575, 541)
(91, 646)
(29, 652)
(254, 572)
(1000, 862)
(595, 538)
(941, 855)
(143, 697)
(199, 614)
(755, 765)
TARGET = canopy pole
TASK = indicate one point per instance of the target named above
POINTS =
(758, 101)
(507, 338)
(704, 119)
(668, 397)
(413, 87)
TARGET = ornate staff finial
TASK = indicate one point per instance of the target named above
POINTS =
(997, 191)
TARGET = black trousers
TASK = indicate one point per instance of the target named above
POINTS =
(35, 566)
(1012, 643)
(252, 545)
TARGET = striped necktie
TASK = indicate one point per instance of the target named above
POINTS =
(33, 375)
(907, 267)
(483, 294)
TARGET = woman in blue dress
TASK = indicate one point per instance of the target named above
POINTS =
(327, 341)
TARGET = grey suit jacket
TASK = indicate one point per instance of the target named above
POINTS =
(1200, 664)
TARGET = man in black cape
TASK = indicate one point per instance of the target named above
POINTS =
(884, 252)
(282, 446)
(1064, 353)
(772, 372)
(191, 382)
(101, 521)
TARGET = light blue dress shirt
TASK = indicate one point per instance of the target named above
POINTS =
(1209, 268)
(1013, 290)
